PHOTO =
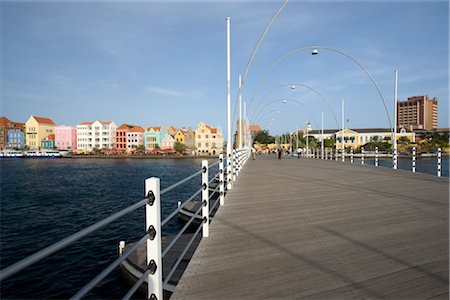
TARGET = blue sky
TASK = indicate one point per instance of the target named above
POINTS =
(163, 63)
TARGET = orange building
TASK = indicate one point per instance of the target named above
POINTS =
(418, 113)
(129, 137)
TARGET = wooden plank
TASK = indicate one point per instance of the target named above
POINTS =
(296, 228)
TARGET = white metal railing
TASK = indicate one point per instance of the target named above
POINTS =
(154, 225)
(328, 154)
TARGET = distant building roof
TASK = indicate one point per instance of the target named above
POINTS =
(131, 128)
(254, 128)
(4, 121)
(155, 128)
(42, 120)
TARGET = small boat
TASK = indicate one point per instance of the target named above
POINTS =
(134, 266)
(9, 153)
(44, 153)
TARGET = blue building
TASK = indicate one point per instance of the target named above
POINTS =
(15, 139)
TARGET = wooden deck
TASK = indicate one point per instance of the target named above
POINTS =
(304, 228)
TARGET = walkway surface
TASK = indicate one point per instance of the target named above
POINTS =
(306, 228)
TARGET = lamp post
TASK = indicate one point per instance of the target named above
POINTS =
(229, 156)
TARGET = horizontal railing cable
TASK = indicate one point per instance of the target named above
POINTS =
(28, 261)
(182, 230)
(180, 183)
(167, 219)
(93, 283)
(175, 265)
(214, 205)
(136, 286)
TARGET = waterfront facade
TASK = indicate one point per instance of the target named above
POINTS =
(208, 140)
(168, 142)
(16, 139)
(152, 137)
(66, 137)
(95, 135)
(16, 136)
(129, 137)
(418, 113)
(190, 139)
(355, 138)
(48, 142)
(37, 129)
(180, 136)
(170, 130)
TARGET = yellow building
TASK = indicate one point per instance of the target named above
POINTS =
(37, 129)
(180, 136)
(355, 138)
(208, 140)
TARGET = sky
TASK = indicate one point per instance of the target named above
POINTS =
(163, 63)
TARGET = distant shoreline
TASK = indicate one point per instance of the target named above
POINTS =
(141, 156)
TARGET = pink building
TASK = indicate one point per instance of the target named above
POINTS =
(66, 137)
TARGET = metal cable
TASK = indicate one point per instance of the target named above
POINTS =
(28, 261)
(88, 287)
(175, 266)
(136, 285)
(175, 239)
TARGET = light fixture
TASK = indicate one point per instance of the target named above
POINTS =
(292, 87)
(315, 52)
(284, 100)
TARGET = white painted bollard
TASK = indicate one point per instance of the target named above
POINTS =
(376, 156)
(234, 165)
(229, 166)
(153, 228)
(414, 159)
(238, 160)
(351, 155)
(121, 247)
(343, 154)
(205, 198)
(221, 181)
(362, 155)
(395, 159)
(439, 162)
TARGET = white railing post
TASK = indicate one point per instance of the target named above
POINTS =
(205, 198)
(336, 155)
(229, 171)
(376, 156)
(234, 164)
(343, 154)
(221, 181)
(238, 160)
(414, 159)
(326, 153)
(351, 155)
(439, 162)
(395, 156)
(362, 155)
(153, 228)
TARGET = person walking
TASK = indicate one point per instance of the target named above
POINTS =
(279, 153)
(253, 153)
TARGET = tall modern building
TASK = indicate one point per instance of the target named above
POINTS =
(418, 113)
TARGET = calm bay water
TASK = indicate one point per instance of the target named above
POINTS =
(45, 200)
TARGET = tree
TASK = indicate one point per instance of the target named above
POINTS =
(403, 141)
(263, 137)
(140, 148)
(179, 147)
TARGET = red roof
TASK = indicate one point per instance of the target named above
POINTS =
(130, 128)
(87, 123)
(156, 150)
(4, 121)
(155, 128)
(42, 120)
(254, 128)
(106, 123)
(50, 137)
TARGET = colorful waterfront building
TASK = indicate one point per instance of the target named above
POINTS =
(170, 130)
(180, 136)
(208, 140)
(16, 139)
(152, 137)
(95, 135)
(167, 142)
(48, 142)
(66, 137)
(36, 130)
(5, 127)
(129, 137)
(190, 139)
